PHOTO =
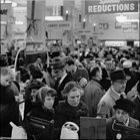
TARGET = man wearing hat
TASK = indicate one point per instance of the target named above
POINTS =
(61, 77)
(123, 108)
(118, 84)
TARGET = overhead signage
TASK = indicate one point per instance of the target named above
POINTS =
(127, 26)
(63, 25)
(5, 11)
(110, 6)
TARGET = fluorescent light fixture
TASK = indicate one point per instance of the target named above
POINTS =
(132, 20)
(123, 18)
(14, 4)
(84, 20)
(19, 22)
(53, 18)
(3, 22)
(67, 11)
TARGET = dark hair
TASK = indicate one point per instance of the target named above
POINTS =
(94, 70)
(46, 91)
(70, 61)
(35, 72)
(70, 86)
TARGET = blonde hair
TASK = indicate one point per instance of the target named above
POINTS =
(71, 86)
(6, 71)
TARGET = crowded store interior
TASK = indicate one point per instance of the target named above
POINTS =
(69, 69)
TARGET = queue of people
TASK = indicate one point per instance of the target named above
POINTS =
(96, 83)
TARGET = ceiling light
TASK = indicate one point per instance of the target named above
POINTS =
(53, 18)
(19, 22)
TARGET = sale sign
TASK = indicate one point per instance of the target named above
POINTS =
(110, 6)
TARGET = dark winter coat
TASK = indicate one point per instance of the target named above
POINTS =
(9, 111)
(42, 114)
(65, 112)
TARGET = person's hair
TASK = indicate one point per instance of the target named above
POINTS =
(35, 72)
(94, 70)
(70, 86)
(70, 61)
(46, 91)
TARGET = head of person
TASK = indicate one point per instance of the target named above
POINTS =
(34, 87)
(38, 60)
(134, 67)
(35, 72)
(5, 76)
(118, 79)
(47, 97)
(96, 72)
(72, 91)
(70, 65)
(123, 108)
(57, 67)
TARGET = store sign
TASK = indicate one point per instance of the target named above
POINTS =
(58, 25)
(127, 26)
(5, 11)
(110, 6)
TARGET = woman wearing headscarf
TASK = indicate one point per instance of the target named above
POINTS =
(72, 108)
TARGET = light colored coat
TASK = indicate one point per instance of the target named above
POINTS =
(105, 106)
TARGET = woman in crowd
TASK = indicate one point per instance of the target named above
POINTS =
(33, 85)
(72, 108)
(43, 111)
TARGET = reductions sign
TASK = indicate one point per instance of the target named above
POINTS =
(110, 6)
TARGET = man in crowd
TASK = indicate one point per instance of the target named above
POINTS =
(94, 91)
(9, 111)
(123, 109)
(105, 106)
(60, 75)
(78, 74)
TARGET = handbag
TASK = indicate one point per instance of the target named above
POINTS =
(40, 128)
(69, 131)
(18, 132)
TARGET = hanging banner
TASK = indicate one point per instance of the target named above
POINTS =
(5, 11)
(36, 20)
(110, 6)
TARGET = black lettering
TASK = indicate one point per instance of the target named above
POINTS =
(3, 12)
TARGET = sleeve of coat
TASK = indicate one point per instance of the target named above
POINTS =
(96, 97)
(60, 118)
(103, 110)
